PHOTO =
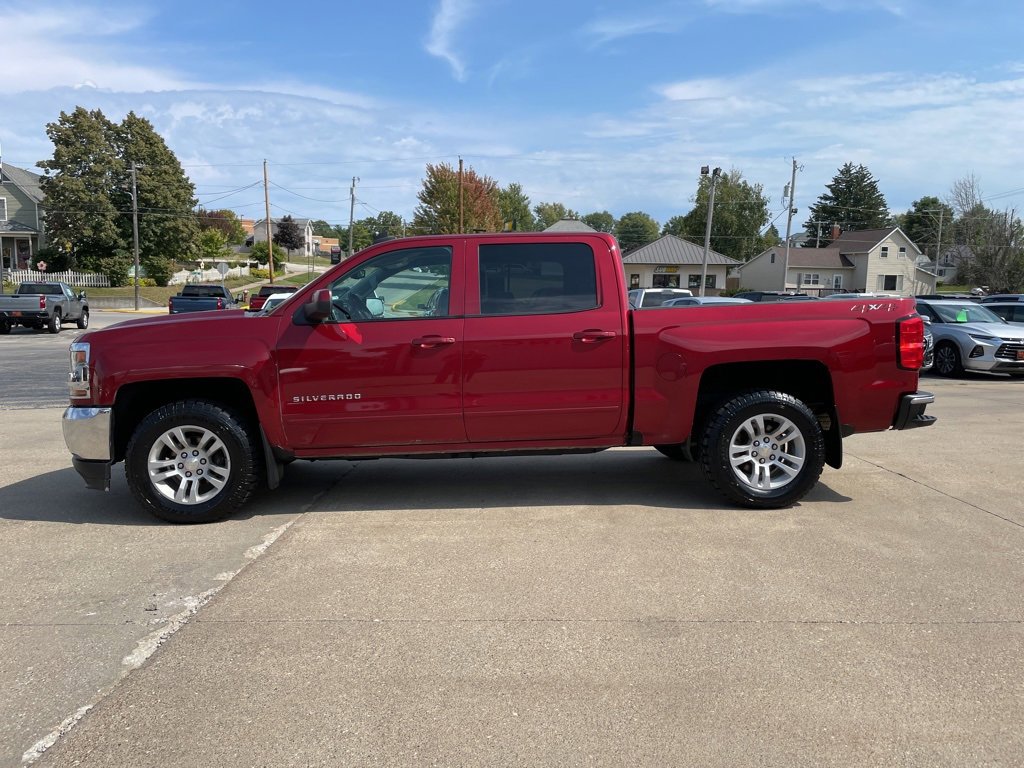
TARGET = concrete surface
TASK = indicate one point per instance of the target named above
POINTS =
(585, 610)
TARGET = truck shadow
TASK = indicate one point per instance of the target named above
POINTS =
(635, 477)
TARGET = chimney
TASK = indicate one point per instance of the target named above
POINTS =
(836, 232)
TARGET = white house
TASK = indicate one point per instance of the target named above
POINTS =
(874, 260)
(259, 233)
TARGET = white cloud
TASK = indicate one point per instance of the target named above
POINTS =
(601, 31)
(450, 16)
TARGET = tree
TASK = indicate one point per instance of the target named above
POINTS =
(384, 224)
(602, 221)
(853, 201)
(549, 213)
(635, 230)
(82, 218)
(322, 229)
(741, 212)
(921, 223)
(212, 245)
(288, 234)
(515, 209)
(440, 212)
(259, 254)
(994, 240)
(362, 236)
(224, 221)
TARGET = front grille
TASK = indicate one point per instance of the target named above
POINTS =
(1010, 350)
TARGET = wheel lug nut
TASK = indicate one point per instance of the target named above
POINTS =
(772, 457)
(188, 474)
(181, 466)
(184, 455)
(202, 461)
(199, 471)
(195, 453)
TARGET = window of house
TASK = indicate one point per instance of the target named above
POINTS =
(890, 282)
(903, 252)
(885, 251)
(3, 209)
(773, 258)
(634, 281)
(837, 281)
(538, 278)
(811, 278)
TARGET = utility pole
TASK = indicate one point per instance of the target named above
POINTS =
(789, 227)
(269, 223)
(938, 240)
(351, 213)
(707, 227)
(135, 230)
(460, 195)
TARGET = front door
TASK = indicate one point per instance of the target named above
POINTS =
(387, 369)
(544, 359)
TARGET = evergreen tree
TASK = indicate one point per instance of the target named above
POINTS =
(288, 235)
(853, 201)
(515, 209)
(634, 230)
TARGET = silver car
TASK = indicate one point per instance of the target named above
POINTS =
(969, 336)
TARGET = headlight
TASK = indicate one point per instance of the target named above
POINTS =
(983, 339)
(78, 379)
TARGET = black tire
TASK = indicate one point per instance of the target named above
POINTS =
(55, 323)
(220, 472)
(733, 442)
(83, 321)
(947, 360)
(674, 452)
(5, 326)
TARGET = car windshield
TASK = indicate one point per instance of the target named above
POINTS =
(968, 312)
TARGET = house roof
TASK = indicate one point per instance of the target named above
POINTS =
(26, 181)
(303, 223)
(814, 258)
(570, 225)
(862, 240)
(16, 227)
(669, 249)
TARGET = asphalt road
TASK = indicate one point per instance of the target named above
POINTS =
(581, 610)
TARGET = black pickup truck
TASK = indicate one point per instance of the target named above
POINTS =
(202, 297)
(43, 305)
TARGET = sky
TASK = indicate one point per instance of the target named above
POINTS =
(597, 105)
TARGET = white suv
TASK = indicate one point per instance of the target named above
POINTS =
(645, 298)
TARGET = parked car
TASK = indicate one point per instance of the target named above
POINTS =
(206, 409)
(271, 301)
(43, 305)
(1010, 311)
(199, 297)
(645, 298)
(1002, 298)
(865, 295)
(929, 350)
(970, 336)
(773, 296)
(704, 301)
(266, 291)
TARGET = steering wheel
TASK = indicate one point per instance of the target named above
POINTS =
(352, 307)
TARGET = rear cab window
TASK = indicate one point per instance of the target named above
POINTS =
(537, 278)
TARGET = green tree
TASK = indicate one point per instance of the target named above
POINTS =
(259, 254)
(82, 217)
(853, 201)
(514, 205)
(212, 245)
(634, 230)
(550, 213)
(602, 221)
(741, 212)
(440, 211)
(921, 223)
(993, 239)
(167, 226)
(322, 229)
(223, 220)
(288, 235)
(384, 224)
(362, 236)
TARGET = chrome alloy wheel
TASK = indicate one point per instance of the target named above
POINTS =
(189, 465)
(767, 452)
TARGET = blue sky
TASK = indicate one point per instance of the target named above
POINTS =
(600, 106)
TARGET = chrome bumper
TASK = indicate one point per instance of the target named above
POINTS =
(87, 433)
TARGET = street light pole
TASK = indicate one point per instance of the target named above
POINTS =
(135, 230)
(707, 227)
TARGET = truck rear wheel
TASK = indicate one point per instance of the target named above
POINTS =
(55, 323)
(763, 450)
(192, 462)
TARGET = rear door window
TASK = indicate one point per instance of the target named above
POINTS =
(537, 278)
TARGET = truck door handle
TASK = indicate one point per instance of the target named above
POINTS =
(430, 342)
(592, 336)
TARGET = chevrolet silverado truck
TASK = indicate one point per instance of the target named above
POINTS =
(200, 297)
(485, 345)
(43, 305)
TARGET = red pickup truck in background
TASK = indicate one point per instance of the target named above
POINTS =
(469, 345)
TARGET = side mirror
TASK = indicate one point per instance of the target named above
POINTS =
(319, 309)
(81, 296)
(375, 307)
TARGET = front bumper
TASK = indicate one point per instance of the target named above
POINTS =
(910, 414)
(87, 435)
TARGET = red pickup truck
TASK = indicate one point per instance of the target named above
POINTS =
(470, 345)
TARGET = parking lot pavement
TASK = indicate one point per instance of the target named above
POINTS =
(599, 610)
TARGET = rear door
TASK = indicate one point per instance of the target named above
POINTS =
(545, 355)
(387, 371)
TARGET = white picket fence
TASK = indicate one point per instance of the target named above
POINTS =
(77, 279)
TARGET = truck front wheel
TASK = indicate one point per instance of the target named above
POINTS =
(763, 450)
(192, 462)
(83, 320)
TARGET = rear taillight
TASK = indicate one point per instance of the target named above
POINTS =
(170, 304)
(910, 343)
(220, 303)
(42, 302)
